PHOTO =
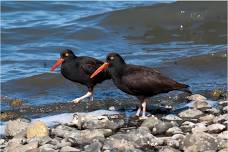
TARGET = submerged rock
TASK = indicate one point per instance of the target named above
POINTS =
(14, 127)
(37, 129)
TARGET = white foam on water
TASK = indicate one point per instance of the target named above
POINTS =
(63, 118)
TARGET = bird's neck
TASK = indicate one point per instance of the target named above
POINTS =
(117, 70)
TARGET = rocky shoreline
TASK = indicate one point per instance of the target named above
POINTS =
(199, 128)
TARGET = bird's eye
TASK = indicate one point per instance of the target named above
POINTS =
(66, 54)
(111, 58)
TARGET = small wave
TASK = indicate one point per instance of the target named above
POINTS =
(185, 21)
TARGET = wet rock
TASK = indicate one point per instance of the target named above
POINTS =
(200, 142)
(225, 123)
(21, 148)
(119, 145)
(21, 134)
(225, 109)
(157, 126)
(68, 148)
(223, 103)
(64, 131)
(132, 140)
(17, 141)
(84, 121)
(63, 143)
(41, 140)
(142, 137)
(16, 102)
(187, 126)
(172, 143)
(196, 97)
(11, 145)
(223, 135)
(221, 118)
(86, 136)
(171, 117)
(47, 147)
(56, 141)
(8, 115)
(223, 150)
(217, 93)
(178, 137)
(161, 127)
(223, 144)
(191, 113)
(14, 127)
(93, 147)
(208, 119)
(112, 108)
(201, 104)
(151, 122)
(37, 129)
(200, 127)
(174, 130)
(168, 149)
(213, 111)
(216, 128)
(2, 141)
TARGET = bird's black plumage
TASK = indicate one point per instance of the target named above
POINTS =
(140, 81)
(79, 68)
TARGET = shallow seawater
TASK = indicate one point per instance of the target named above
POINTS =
(185, 40)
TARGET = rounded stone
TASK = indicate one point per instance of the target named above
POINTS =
(37, 129)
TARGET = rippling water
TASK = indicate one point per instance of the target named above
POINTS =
(186, 40)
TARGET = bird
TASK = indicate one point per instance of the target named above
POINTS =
(139, 81)
(78, 69)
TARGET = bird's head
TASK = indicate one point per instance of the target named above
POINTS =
(64, 55)
(113, 60)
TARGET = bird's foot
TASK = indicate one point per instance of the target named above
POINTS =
(77, 100)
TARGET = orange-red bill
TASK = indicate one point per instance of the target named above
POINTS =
(101, 68)
(58, 62)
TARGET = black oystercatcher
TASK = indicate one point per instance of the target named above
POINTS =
(78, 69)
(142, 82)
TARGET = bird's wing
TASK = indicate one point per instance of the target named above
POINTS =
(89, 66)
(147, 80)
